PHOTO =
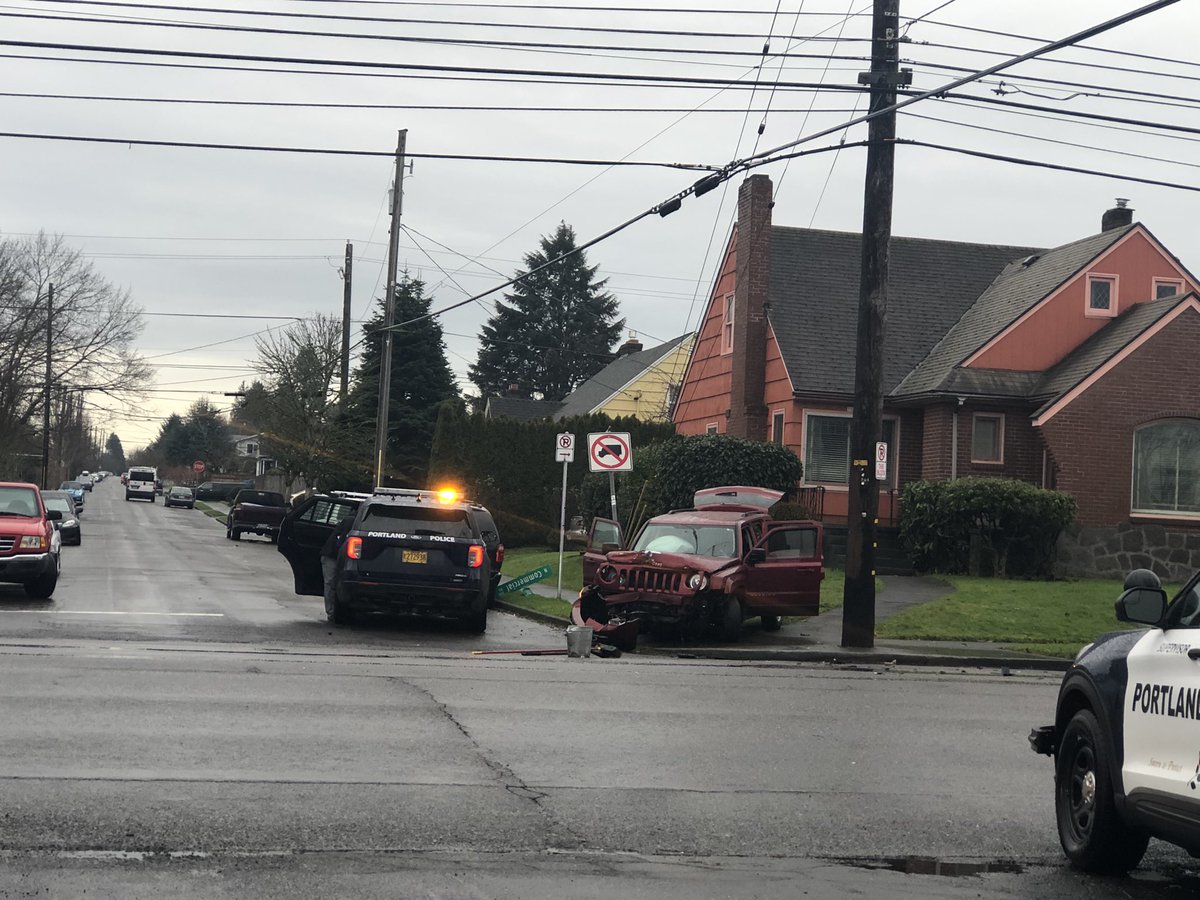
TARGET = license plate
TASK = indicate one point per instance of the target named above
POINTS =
(415, 556)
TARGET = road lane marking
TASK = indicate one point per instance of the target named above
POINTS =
(114, 612)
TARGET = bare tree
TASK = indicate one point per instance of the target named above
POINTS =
(302, 427)
(94, 326)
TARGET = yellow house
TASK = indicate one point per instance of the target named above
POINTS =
(639, 383)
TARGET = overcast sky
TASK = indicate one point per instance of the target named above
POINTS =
(243, 233)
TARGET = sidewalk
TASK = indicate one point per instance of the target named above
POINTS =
(818, 639)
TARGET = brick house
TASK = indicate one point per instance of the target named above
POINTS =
(1039, 364)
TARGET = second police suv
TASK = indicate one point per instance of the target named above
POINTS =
(428, 553)
(1126, 733)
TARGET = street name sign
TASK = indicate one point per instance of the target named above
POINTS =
(521, 581)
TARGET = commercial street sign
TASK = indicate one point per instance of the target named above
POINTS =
(610, 451)
(524, 580)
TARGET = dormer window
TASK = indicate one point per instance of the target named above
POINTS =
(1167, 287)
(1102, 295)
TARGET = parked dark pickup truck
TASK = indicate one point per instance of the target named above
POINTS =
(257, 512)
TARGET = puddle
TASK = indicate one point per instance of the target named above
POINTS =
(950, 868)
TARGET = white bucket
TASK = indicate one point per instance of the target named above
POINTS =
(579, 641)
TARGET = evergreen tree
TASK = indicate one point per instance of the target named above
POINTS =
(421, 380)
(555, 330)
(113, 458)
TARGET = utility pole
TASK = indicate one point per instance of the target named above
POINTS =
(46, 390)
(858, 614)
(347, 274)
(385, 360)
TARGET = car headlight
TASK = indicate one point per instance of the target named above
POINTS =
(70, 523)
(33, 542)
(698, 582)
(608, 574)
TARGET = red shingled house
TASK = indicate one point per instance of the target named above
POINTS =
(1054, 366)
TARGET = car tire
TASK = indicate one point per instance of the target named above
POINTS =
(235, 534)
(771, 623)
(730, 627)
(42, 588)
(336, 611)
(1090, 829)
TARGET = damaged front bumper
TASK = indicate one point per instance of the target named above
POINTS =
(1044, 740)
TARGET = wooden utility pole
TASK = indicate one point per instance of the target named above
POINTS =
(46, 390)
(347, 275)
(858, 614)
(389, 309)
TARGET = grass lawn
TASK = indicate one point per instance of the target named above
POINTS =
(1053, 618)
(209, 511)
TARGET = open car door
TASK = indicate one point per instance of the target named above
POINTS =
(785, 579)
(604, 536)
(303, 533)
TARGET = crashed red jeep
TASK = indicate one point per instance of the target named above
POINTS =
(701, 570)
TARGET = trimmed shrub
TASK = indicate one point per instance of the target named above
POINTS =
(1014, 522)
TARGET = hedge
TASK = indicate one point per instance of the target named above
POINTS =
(1014, 522)
(508, 465)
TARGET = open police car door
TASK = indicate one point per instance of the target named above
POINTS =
(303, 533)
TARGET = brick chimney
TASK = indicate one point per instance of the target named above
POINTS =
(747, 410)
(1117, 217)
(631, 345)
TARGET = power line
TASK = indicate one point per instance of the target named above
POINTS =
(392, 20)
(553, 75)
(418, 39)
(441, 107)
(1041, 164)
(329, 151)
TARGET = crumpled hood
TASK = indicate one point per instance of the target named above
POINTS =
(671, 562)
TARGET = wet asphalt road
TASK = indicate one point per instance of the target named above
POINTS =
(177, 723)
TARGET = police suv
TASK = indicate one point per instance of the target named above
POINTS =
(428, 553)
(1126, 736)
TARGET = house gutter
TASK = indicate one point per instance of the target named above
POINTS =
(954, 440)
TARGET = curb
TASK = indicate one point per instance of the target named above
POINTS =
(837, 657)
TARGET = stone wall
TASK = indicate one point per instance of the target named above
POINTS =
(1112, 552)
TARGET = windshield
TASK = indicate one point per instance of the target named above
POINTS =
(70, 486)
(703, 540)
(60, 503)
(141, 474)
(417, 520)
(181, 492)
(15, 501)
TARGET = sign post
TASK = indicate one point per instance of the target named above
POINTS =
(564, 452)
(611, 452)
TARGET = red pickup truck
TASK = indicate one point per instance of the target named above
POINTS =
(30, 547)
(256, 512)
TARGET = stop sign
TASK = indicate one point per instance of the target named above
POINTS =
(198, 466)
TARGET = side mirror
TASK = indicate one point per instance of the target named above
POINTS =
(756, 555)
(1142, 605)
(54, 515)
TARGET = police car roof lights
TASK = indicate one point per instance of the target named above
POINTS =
(443, 495)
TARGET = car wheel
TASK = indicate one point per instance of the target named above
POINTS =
(41, 588)
(1092, 833)
(235, 534)
(335, 610)
(731, 620)
(771, 623)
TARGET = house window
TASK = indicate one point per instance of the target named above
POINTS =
(987, 438)
(1166, 288)
(711, 428)
(251, 449)
(727, 327)
(777, 428)
(827, 449)
(1102, 295)
(1166, 468)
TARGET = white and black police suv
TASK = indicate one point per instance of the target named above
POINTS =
(426, 553)
(1126, 735)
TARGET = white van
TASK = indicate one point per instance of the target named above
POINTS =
(141, 483)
